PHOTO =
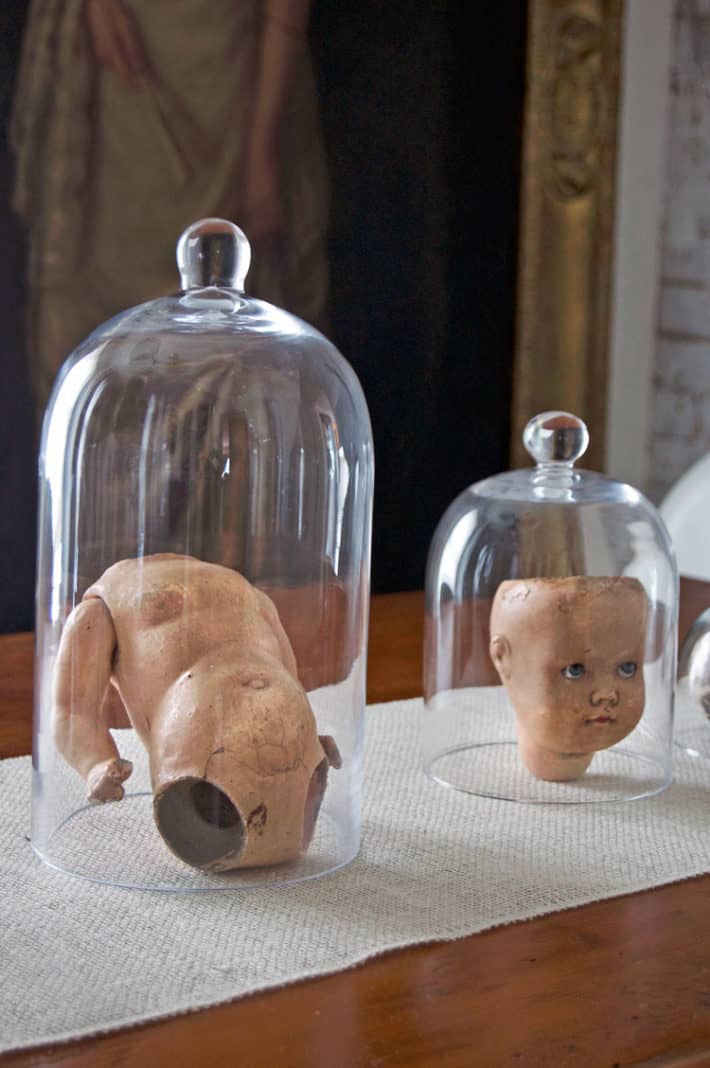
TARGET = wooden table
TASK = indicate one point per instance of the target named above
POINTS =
(620, 982)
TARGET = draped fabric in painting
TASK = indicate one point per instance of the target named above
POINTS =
(422, 119)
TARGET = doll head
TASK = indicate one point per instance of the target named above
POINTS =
(570, 654)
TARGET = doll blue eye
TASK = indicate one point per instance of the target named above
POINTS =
(627, 670)
(573, 671)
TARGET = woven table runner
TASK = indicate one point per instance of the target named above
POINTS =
(80, 958)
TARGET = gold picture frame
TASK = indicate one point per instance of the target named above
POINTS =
(568, 184)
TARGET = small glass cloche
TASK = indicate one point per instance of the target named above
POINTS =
(550, 645)
(206, 478)
(693, 689)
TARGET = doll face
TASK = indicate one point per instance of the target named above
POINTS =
(570, 653)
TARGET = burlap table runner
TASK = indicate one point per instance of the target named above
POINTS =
(80, 958)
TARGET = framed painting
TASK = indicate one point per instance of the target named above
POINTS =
(493, 227)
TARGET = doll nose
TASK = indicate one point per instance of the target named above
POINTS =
(608, 697)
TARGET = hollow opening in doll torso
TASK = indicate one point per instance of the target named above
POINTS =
(199, 823)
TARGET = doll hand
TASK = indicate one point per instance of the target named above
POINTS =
(331, 750)
(115, 39)
(103, 782)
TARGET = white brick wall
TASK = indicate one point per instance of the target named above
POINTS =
(680, 425)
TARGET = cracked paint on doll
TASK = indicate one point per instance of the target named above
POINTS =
(570, 653)
(195, 658)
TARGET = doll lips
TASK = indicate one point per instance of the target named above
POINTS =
(601, 719)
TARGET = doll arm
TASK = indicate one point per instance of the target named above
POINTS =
(81, 678)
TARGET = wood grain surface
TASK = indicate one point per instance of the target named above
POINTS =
(616, 983)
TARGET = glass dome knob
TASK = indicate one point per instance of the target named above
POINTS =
(556, 437)
(213, 252)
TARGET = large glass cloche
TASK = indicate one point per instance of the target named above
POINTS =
(550, 647)
(206, 476)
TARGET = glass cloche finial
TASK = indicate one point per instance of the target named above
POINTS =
(213, 252)
(556, 437)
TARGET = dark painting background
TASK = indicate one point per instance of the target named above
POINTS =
(17, 466)
(422, 116)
